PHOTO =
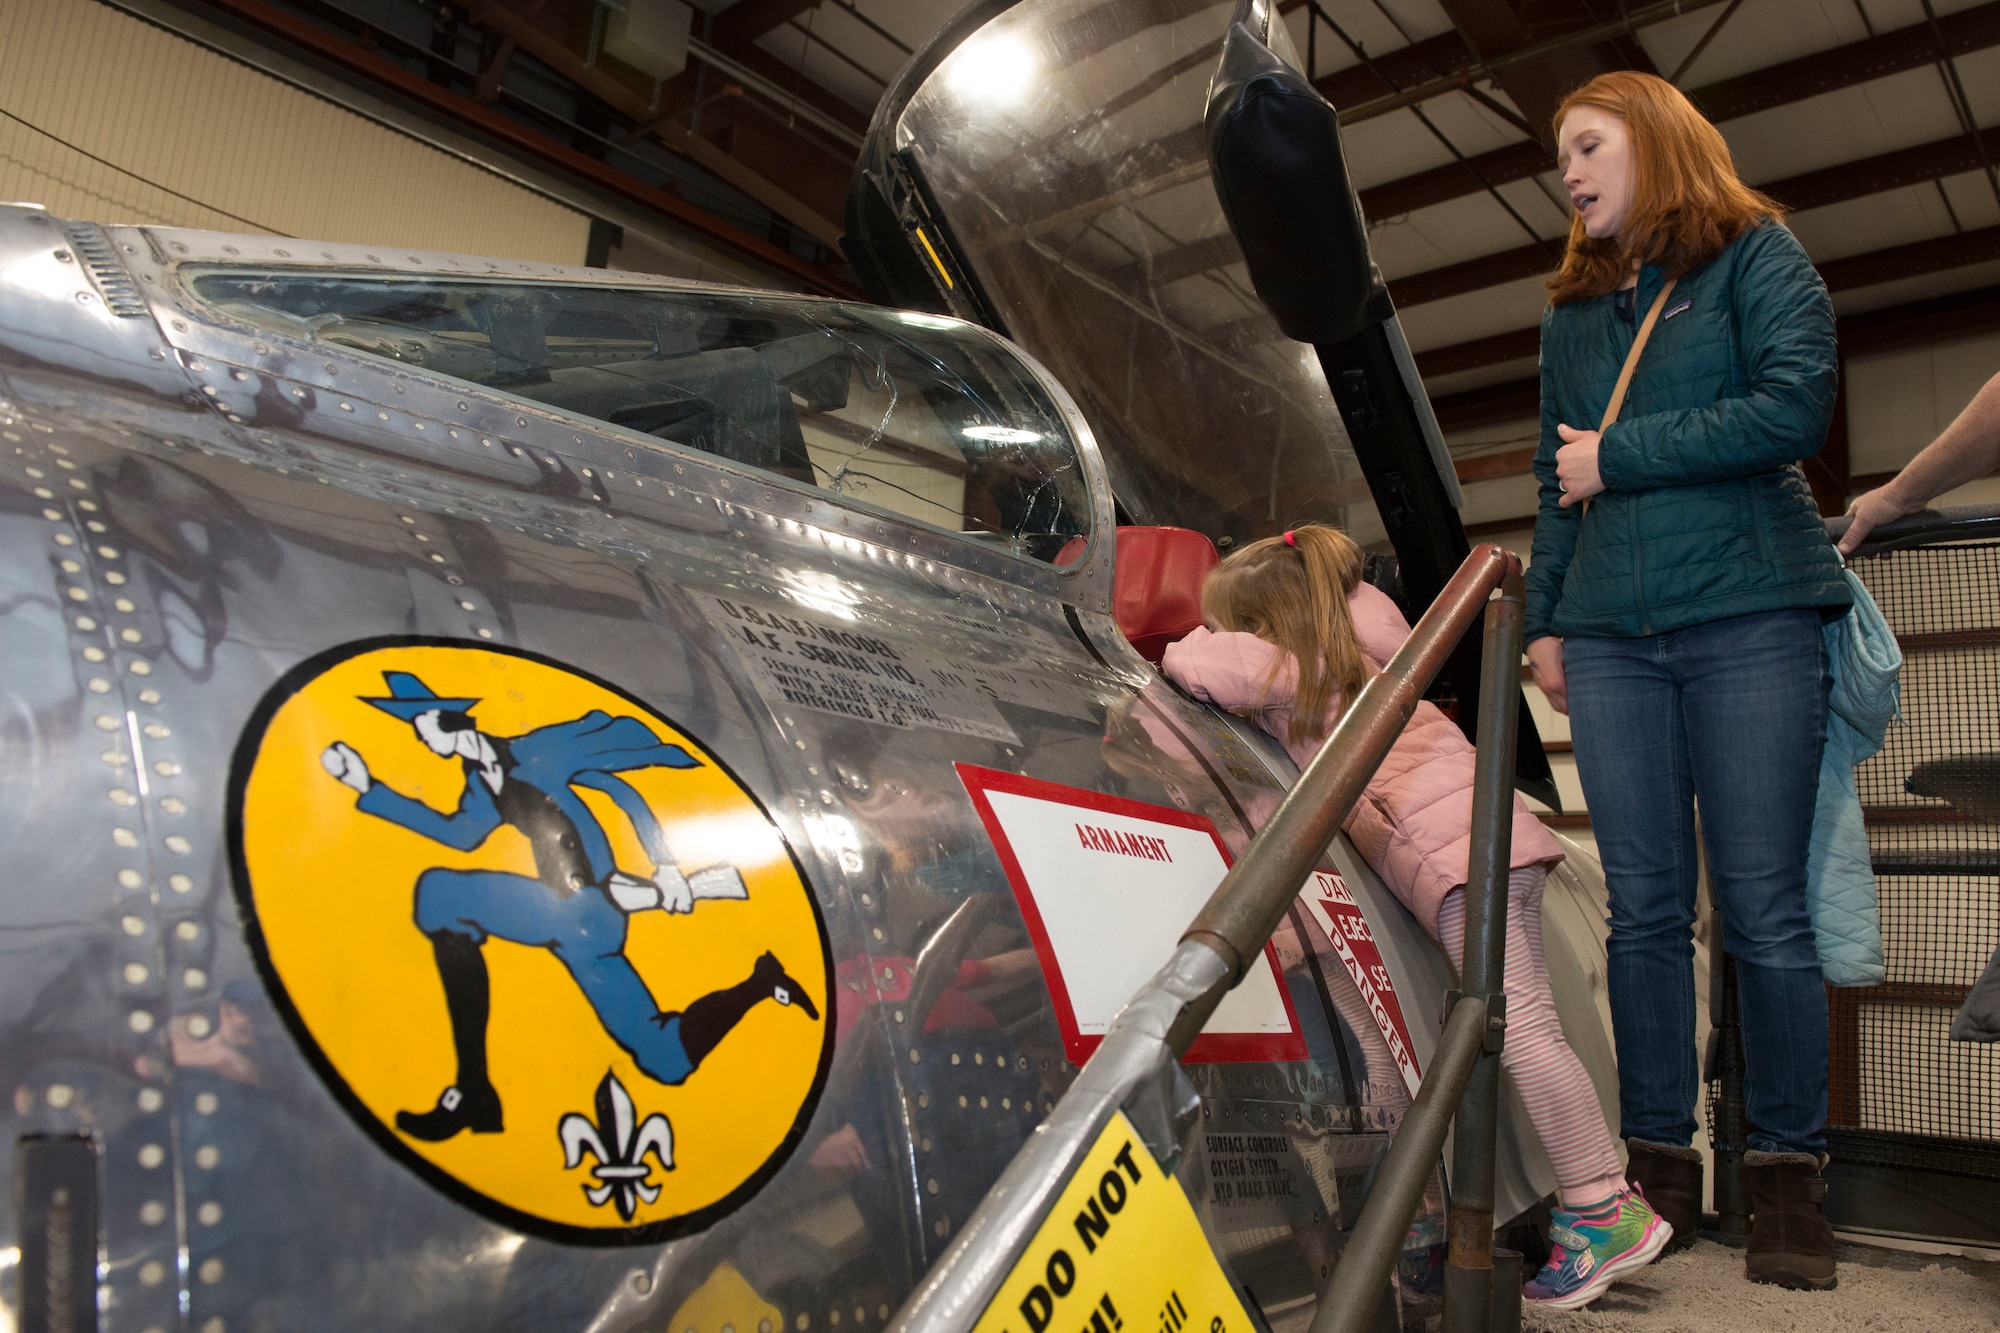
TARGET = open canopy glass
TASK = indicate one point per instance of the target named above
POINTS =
(1056, 150)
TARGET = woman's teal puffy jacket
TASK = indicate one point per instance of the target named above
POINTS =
(1705, 513)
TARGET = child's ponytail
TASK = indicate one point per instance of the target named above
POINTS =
(1292, 591)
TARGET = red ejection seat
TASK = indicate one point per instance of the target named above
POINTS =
(1156, 592)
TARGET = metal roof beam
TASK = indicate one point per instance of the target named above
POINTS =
(1493, 467)
(1918, 323)
(434, 98)
(1911, 261)
(1523, 261)
(1759, 90)
(1813, 189)
(733, 34)
(1538, 68)
(493, 70)
(1427, 59)
(1439, 185)
(747, 20)
(1515, 400)
(1496, 68)
(1960, 315)
(1893, 263)
(1478, 353)
(1885, 171)
(554, 53)
(1872, 58)
(763, 65)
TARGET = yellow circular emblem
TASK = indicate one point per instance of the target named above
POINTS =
(541, 944)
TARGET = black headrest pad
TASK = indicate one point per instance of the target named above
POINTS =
(1274, 151)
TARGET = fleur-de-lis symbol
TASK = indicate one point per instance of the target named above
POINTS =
(620, 1146)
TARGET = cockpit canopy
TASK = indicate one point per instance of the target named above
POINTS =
(925, 416)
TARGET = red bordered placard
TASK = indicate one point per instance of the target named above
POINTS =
(1339, 916)
(1211, 1046)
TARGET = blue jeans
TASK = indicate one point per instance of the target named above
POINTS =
(1732, 713)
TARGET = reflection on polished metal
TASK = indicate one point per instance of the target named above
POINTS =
(301, 452)
(1162, 1020)
(1626, 24)
(199, 499)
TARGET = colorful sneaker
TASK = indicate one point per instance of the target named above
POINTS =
(1420, 1273)
(1590, 1251)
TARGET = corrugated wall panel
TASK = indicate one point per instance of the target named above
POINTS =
(189, 138)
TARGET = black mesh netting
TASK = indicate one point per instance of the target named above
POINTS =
(1932, 801)
(1902, 1092)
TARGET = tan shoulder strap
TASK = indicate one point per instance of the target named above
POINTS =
(1632, 363)
(1632, 357)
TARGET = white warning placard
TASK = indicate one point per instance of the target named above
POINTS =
(1106, 887)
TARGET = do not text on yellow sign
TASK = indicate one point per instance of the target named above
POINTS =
(1121, 1252)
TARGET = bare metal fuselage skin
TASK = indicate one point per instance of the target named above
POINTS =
(192, 507)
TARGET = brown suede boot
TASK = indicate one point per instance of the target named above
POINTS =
(1670, 1178)
(1791, 1242)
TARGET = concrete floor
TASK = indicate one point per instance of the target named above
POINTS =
(1881, 1291)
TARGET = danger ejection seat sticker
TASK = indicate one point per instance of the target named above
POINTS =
(1339, 916)
(1088, 869)
(1121, 1252)
(540, 943)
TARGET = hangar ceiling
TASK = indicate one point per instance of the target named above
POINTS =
(1876, 121)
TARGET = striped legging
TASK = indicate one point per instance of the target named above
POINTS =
(1561, 1101)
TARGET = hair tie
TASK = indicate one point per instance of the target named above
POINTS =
(1291, 538)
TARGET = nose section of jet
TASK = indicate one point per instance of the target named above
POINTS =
(64, 284)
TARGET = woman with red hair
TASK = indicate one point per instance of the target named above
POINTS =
(1681, 572)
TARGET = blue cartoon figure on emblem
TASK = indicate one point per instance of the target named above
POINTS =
(577, 904)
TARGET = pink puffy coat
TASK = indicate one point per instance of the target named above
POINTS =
(1414, 823)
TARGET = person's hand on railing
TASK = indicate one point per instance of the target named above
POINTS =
(1968, 448)
(1545, 658)
(1870, 511)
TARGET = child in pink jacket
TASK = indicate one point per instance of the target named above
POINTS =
(1292, 634)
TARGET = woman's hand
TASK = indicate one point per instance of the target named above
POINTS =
(1545, 658)
(1576, 465)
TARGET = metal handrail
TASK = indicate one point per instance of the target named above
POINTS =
(1351, 1295)
(1926, 527)
(1463, 1082)
(1164, 1016)
(1253, 897)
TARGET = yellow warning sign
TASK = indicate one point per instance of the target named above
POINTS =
(1122, 1252)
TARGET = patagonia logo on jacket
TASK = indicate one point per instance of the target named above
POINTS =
(1676, 310)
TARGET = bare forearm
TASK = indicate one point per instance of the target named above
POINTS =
(1968, 448)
